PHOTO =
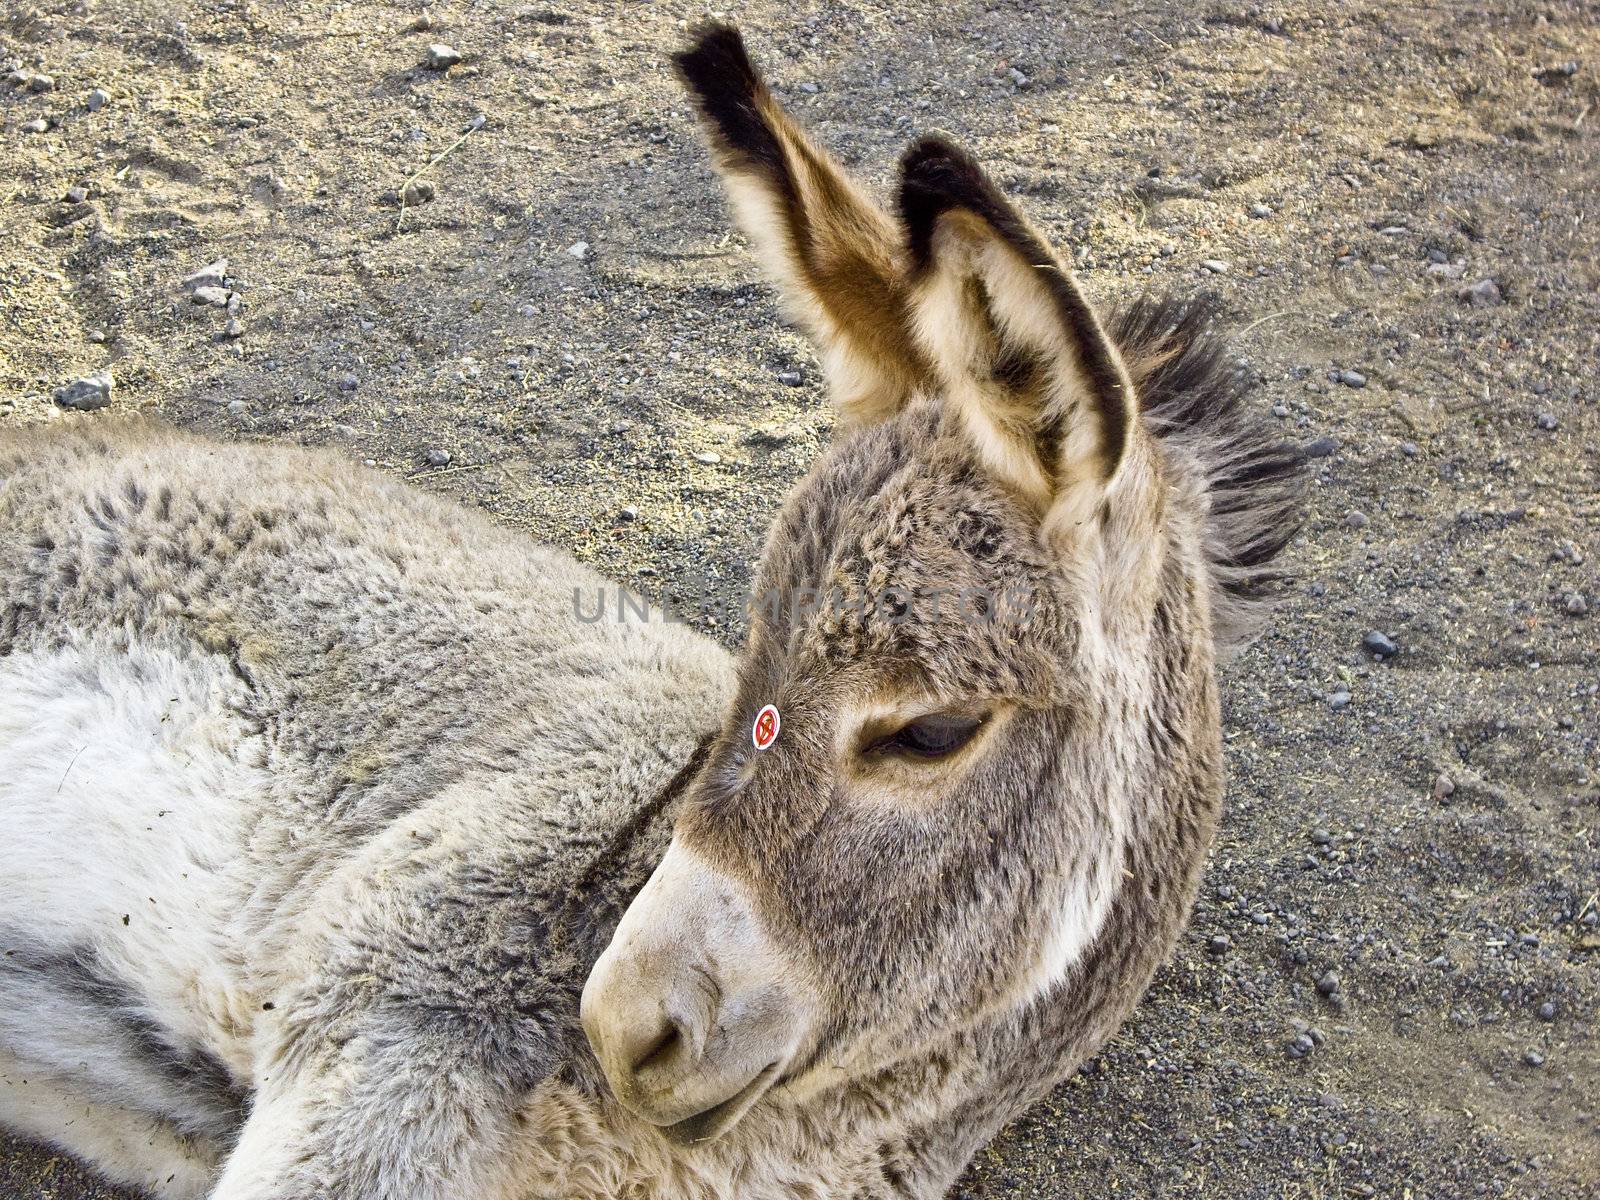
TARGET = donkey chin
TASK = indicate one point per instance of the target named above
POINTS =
(691, 1011)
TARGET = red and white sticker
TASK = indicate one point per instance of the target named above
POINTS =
(765, 731)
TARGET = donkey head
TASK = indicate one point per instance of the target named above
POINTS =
(952, 621)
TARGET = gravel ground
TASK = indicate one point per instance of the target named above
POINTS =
(1390, 984)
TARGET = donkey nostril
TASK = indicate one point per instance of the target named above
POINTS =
(659, 1051)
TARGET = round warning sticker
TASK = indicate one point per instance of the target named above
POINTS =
(765, 731)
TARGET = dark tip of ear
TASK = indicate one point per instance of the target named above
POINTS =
(717, 70)
(935, 177)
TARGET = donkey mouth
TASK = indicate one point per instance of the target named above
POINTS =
(721, 1117)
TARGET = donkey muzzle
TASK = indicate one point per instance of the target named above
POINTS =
(689, 1009)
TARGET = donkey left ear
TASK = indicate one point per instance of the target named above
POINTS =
(1023, 359)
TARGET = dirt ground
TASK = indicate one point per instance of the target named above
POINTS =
(567, 335)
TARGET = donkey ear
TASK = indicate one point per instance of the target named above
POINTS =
(1014, 342)
(834, 254)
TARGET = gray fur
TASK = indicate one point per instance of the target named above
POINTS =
(350, 801)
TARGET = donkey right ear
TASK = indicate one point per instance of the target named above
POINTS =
(834, 254)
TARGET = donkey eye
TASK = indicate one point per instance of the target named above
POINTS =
(933, 736)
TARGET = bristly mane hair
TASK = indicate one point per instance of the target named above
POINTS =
(1192, 394)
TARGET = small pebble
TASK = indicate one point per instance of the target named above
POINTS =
(809, 88)
(441, 57)
(628, 515)
(37, 125)
(1321, 837)
(1533, 1058)
(1301, 1046)
(709, 457)
(1443, 787)
(41, 83)
(210, 275)
(237, 407)
(76, 195)
(1214, 265)
(1329, 983)
(1338, 700)
(1260, 211)
(1219, 944)
(1322, 447)
(790, 378)
(97, 99)
(418, 191)
(436, 457)
(422, 24)
(1356, 519)
(1409, 449)
(217, 296)
(1379, 644)
(349, 383)
(1353, 379)
(86, 394)
(1547, 421)
(233, 329)
(578, 250)
(1547, 1011)
(1575, 604)
(1483, 294)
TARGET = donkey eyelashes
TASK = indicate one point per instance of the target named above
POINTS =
(937, 735)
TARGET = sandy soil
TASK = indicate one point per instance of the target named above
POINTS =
(1347, 168)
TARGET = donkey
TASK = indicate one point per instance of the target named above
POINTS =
(342, 859)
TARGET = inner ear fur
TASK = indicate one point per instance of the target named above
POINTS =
(1014, 342)
(835, 255)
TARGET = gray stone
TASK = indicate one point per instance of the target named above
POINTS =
(210, 275)
(86, 394)
(1353, 379)
(1483, 294)
(578, 250)
(1547, 422)
(434, 456)
(418, 191)
(791, 378)
(233, 329)
(1322, 447)
(1356, 519)
(441, 57)
(97, 99)
(1339, 700)
(37, 125)
(1443, 787)
(217, 296)
(41, 83)
(1214, 265)
(1575, 604)
(1379, 644)
(1547, 1011)
(349, 383)
(1260, 211)
(76, 195)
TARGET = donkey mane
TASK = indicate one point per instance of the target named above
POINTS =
(1192, 393)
